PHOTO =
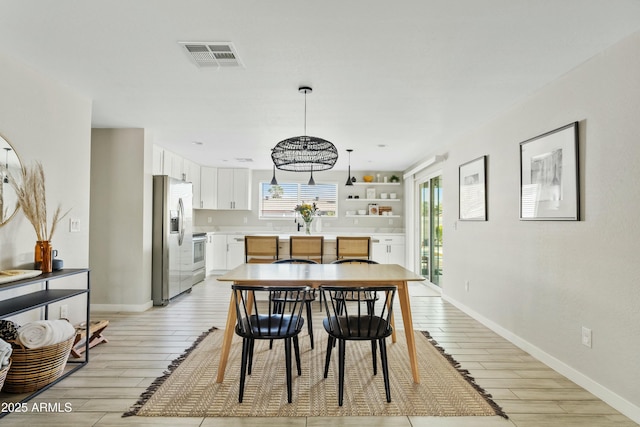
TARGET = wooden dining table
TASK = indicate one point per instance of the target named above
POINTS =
(314, 276)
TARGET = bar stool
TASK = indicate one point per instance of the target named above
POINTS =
(307, 247)
(353, 247)
(260, 249)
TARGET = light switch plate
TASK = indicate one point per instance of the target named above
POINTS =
(74, 225)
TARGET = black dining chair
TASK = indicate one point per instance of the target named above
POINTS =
(309, 298)
(368, 298)
(350, 323)
(259, 321)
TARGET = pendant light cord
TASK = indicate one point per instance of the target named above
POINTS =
(305, 113)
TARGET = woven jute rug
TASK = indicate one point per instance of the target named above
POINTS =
(189, 389)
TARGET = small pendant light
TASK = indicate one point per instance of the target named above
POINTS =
(311, 181)
(349, 181)
(273, 180)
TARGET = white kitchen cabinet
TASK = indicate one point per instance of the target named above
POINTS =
(192, 175)
(388, 249)
(208, 189)
(234, 189)
(211, 255)
(172, 165)
(158, 153)
(191, 171)
(235, 251)
(216, 252)
(226, 251)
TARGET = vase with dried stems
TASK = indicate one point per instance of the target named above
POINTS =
(30, 191)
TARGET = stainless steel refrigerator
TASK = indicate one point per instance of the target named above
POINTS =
(172, 250)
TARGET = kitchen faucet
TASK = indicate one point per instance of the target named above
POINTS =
(298, 224)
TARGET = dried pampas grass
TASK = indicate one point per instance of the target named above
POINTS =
(30, 190)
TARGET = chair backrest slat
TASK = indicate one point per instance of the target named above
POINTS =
(259, 315)
(354, 314)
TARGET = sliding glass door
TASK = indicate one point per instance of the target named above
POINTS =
(430, 220)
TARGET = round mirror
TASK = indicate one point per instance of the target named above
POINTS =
(10, 168)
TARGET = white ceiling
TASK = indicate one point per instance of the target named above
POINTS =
(409, 75)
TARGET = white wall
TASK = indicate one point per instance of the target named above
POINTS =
(50, 123)
(120, 245)
(539, 282)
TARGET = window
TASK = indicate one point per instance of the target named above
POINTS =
(278, 201)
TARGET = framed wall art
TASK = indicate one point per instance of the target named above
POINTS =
(472, 193)
(549, 176)
(370, 193)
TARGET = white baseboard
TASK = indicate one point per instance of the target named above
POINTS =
(616, 401)
(130, 308)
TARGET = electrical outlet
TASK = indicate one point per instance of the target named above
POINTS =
(390, 222)
(209, 219)
(586, 337)
(64, 311)
(245, 219)
(355, 222)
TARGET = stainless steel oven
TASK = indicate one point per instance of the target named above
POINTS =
(199, 257)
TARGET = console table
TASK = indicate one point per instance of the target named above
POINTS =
(41, 299)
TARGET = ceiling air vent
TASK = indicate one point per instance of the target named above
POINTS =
(212, 54)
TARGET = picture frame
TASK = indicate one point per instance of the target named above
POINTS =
(371, 193)
(472, 194)
(373, 209)
(550, 176)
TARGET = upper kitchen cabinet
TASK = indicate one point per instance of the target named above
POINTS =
(158, 155)
(172, 165)
(234, 189)
(208, 189)
(167, 163)
(191, 173)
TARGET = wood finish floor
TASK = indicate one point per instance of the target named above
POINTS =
(141, 345)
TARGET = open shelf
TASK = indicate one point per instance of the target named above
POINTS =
(42, 298)
(375, 183)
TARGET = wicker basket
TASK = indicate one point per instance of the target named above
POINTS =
(34, 368)
(3, 374)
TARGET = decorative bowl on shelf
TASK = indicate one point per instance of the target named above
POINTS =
(362, 212)
(368, 178)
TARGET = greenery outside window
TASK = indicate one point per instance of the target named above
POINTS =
(279, 201)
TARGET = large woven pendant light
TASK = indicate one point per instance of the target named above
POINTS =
(304, 153)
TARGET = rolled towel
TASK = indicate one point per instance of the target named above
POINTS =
(5, 353)
(8, 330)
(41, 333)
